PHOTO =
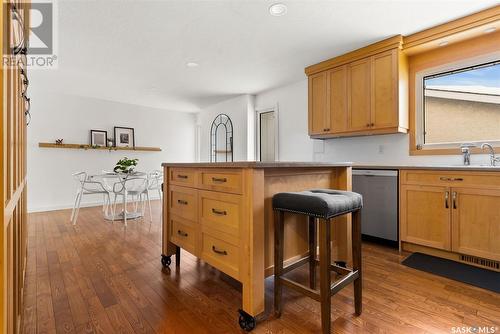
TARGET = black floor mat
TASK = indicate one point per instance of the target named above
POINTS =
(482, 278)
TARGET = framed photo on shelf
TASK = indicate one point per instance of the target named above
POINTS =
(124, 137)
(98, 138)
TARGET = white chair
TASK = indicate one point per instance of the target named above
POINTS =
(136, 188)
(88, 186)
(155, 179)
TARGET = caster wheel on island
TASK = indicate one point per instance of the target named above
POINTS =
(246, 321)
(166, 260)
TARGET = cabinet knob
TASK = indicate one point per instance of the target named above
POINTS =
(373, 124)
(368, 125)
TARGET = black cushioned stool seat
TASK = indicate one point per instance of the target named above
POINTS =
(319, 203)
(320, 206)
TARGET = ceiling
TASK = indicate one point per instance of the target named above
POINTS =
(136, 51)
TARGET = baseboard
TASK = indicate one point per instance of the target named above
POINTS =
(70, 206)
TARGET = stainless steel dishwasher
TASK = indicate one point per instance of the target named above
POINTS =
(379, 218)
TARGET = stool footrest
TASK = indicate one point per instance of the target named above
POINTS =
(315, 294)
(295, 265)
(341, 283)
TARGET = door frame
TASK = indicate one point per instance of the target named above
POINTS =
(258, 112)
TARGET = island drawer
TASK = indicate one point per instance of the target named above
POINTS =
(222, 180)
(220, 211)
(221, 254)
(183, 202)
(183, 233)
(450, 178)
(182, 176)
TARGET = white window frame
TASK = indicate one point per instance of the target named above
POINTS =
(419, 99)
(275, 109)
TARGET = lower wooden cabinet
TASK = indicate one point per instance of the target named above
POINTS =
(425, 216)
(458, 213)
(476, 222)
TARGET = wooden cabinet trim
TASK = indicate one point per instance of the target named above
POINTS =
(395, 42)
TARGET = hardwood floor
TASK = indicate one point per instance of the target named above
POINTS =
(100, 278)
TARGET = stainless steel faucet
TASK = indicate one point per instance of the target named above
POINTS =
(493, 159)
(466, 152)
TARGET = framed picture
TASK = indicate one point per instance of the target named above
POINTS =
(124, 137)
(98, 138)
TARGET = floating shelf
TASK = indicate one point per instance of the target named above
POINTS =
(88, 147)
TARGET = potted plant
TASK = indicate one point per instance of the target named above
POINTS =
(125, 165)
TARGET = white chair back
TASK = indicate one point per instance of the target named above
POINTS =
(155, 179)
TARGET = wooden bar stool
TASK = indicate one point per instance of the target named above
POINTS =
(320, 206)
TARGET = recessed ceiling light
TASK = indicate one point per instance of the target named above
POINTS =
(192, 64)
(277, 9)
(491, 29)
(443, 43)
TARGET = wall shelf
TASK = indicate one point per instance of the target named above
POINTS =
(88, 147)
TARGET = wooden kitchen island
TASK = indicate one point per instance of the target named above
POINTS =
(222, 213)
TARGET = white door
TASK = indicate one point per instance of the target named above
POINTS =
(267, 136)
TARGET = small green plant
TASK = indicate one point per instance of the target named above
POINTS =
(125, 165)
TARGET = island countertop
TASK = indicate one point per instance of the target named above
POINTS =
(257, 164)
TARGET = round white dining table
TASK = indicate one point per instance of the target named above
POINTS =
(120, 177)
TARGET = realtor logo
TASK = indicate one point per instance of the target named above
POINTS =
(40, 51)
(41, 39)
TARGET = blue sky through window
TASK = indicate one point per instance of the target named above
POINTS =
(486, 76)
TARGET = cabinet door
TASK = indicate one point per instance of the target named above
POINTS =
(359, 75)
(384, 111)
(319, 118)
(476, 222)
(425, 216)
(338, 99)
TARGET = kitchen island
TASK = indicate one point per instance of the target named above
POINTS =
(222, 213)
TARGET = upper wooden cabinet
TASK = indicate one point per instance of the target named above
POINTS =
(363, 92)
(319, 121)
(338, 99)
(358, 96)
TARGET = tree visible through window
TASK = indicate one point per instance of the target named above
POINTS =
(462, 105)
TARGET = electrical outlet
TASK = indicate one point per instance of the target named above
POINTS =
(381, 149)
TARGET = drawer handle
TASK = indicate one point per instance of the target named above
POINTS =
(221, 252)
(326, 130)
(219, 179)
(182, 233)
(180, 201)
(446, 197)
(182, 176)
(451, 178)
(219, 212)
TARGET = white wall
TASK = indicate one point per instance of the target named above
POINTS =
(291, 101)
(295, 144)
(71, 118)
(241, 111)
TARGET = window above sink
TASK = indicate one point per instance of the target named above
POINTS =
(459, 102)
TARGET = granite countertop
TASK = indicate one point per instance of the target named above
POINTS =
(257, 164)
(290, 164)
(482, 168)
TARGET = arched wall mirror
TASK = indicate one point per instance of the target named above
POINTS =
(221, 139)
